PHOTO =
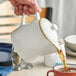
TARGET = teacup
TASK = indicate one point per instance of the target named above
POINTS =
(58, 70)
(70, 42)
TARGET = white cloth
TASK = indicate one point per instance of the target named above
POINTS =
(5, 56)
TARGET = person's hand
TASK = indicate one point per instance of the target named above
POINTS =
(28, 7)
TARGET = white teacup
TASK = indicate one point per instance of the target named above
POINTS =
(70, 42)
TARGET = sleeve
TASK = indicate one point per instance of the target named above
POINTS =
(1, 1)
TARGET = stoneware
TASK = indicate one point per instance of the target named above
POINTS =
(70, 42)
(33, 39)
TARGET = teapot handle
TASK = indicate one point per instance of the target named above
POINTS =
(24, 16)
(37, 16)
(23, 20)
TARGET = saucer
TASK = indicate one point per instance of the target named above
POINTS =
(69, 51)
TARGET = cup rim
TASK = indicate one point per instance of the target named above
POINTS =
(68, 37)
(57, 67)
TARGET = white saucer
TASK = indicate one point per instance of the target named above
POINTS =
(69, 51)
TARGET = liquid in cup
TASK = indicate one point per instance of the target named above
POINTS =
(59, 70)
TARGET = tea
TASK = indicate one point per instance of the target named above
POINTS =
(62, 59)
(59, 70)
(70, 70)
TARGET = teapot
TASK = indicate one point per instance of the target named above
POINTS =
(32, 40)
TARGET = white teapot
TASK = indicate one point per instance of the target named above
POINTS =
(33, 39)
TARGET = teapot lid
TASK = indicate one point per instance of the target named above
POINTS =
(49, 30)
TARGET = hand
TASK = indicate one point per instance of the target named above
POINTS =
(28, 7)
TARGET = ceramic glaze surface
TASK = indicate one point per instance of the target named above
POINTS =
(32, 40)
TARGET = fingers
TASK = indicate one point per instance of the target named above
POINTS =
(25, 10)
(28, 7)
(28, 10)
(31, 3)
(34, 5)
(18, 10)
